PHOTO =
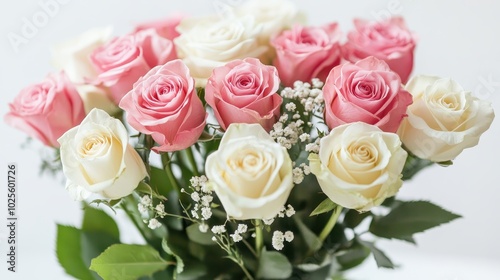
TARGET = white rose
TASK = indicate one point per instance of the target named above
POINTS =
(73, 58)
(359, 165)
(273, 15)
(97, 158)
(206, 43)
(250, 173)
(443, 119)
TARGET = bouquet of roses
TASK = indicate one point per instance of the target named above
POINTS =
(245, 145)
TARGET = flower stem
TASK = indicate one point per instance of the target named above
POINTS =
(192, 161)
(331, 223)
(165, 158)
(129, 206)
(247, 274)
(259, 238)
(328, 227)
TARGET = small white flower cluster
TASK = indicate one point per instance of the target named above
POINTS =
(313, 147)
(279, 238)
(146, 205)
(219, 229)
(310, 96)
(289, 211)
(289, 130)
(236, 236)
(288, 135)
(202, 197)
(300, 172)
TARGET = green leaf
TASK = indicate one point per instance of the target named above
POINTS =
(380, 257)
(128, 262)
(180, 263)
(68, 250)
(410, 217)
(205, 137)
(273, 265)
(196, 271)
(106, 202)
(96, 220)
(195, 235)
(445, 163)
(325, 206)
(353, 218)
(93, 244)
(312, 240)
(413, 165)
(409, 239)
(144, 188)
(159, 181)
(352, 256)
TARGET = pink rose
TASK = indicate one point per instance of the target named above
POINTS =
(367, 91)
(244, 91)
(304, 53)
(123, 60)
(48, 109)
(164, 27)
(388, 40)
(164, 104)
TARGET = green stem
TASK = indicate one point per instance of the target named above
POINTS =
(247, 273)
(127, 204)
(192, 161)
(328, 227)
(259, 238)
(165, 158)
(249, 247)
(331, 223)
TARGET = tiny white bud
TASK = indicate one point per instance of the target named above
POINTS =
(290, 211)
(277, 240)
(236, 237)
(242, 228)
(218, 229)
(206, 212)
(203, 228)
(290, 106)
(146, 200)
(195, 196)
(154, 224)
(142, 209)
(288, 236)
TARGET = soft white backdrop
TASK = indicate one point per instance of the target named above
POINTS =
(457, 39)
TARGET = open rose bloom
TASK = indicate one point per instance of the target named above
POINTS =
(389, 40)
(366, 91)
(244, 91)
(164, 104)
(123, 60)
(245, 145)
(46, 110)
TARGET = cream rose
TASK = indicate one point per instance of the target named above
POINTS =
(250, 173)
(359, 165)
(97, 158)
(273, 16)
(443, 120)
(206, 43)
(73, 58)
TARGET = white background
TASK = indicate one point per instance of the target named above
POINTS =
(457, 39)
